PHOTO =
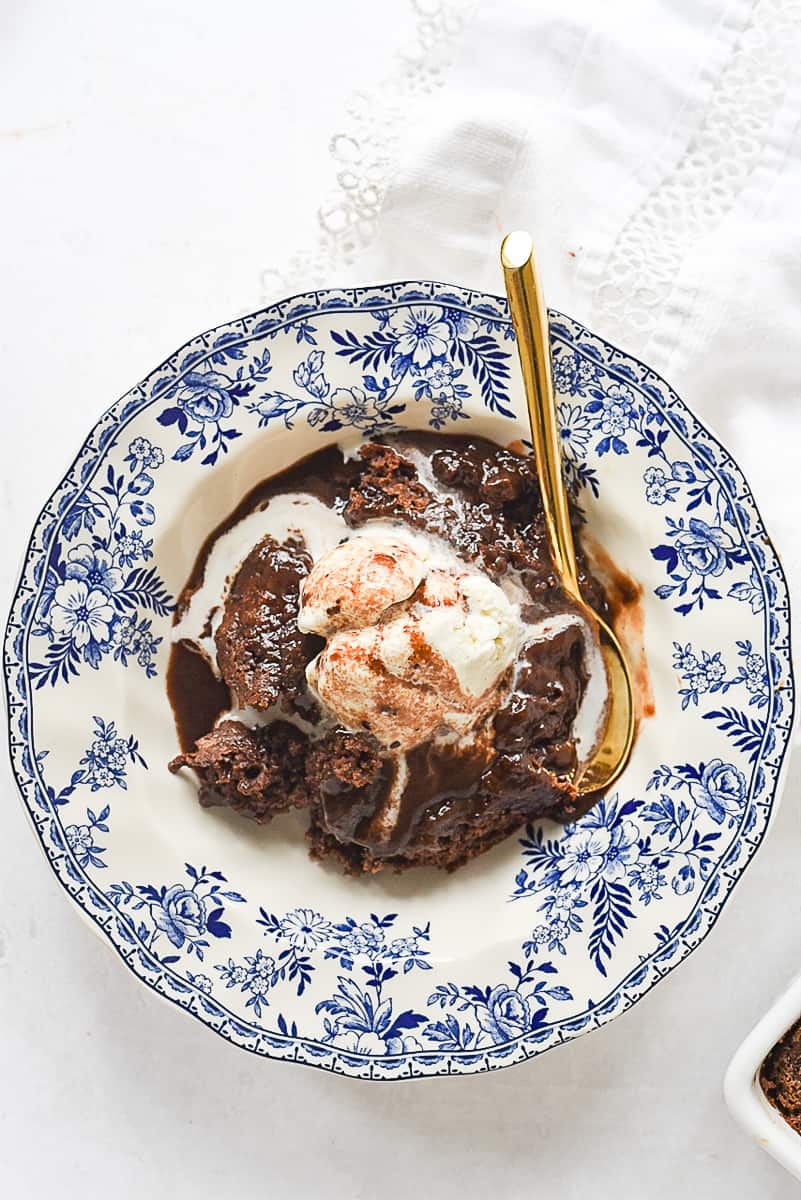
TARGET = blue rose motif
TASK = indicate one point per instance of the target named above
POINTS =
(720, 790)
(505, 1016)
(181, 915)
(703, 548)
(204, 396)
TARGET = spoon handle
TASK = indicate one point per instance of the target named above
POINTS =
(530, 321)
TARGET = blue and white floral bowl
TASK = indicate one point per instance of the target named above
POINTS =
(549, 935)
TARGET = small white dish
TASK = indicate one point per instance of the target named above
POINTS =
(744, 1096)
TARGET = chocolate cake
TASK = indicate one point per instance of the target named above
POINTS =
(392, 651)
(261, 652)
(780, 1077)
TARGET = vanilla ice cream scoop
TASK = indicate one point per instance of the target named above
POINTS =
(418, 643)
(351, 679)
(353, 584)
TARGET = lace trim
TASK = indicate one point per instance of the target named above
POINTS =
(363, 156)
(641, 271)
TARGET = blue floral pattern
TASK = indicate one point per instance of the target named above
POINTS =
(501, 1013)
(698, 554)
(105, 764)
(94, 594)
(626, 863)
(593, 878)
(442, 356)
(601, 909)
(428, 347)
(186, 915)
(613, 416)
(204, 400)
(360, 1016)
(705, 674)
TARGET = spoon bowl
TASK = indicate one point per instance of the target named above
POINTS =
(530, 320)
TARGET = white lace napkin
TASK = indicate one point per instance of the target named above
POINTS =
(654, 150)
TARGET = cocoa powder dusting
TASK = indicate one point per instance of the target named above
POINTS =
(457, 801)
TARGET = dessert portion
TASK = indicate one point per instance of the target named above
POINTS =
(416, 644)
(780, 1077)
(377, 635)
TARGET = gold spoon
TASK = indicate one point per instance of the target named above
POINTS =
(530, 320)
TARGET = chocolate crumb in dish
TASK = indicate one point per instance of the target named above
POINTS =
(257, 772)
(403, 605)
(387, 486)
(780, 1077)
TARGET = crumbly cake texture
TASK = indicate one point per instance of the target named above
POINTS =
(486, 504)
(780, 1077)
(257, 772)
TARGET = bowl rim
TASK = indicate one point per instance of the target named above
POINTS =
(627, 992)
(743, 1093)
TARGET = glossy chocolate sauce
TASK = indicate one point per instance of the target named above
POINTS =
(458, 798)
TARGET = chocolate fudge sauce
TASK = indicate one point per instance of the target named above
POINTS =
(457, 799)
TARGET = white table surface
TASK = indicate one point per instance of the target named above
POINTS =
(157, 159)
